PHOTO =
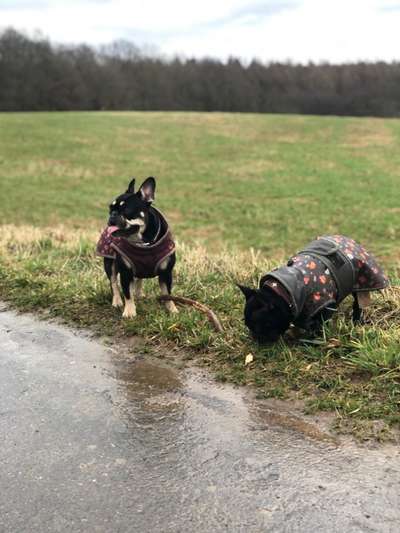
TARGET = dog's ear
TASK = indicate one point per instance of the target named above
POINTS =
(147, 190)
(246, 291)
(131, 187)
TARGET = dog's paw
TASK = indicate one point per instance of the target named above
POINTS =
(129, 310)
(117, 301)
(129, 314)
(171, 307)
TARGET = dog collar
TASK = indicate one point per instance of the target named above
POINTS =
(280, 291)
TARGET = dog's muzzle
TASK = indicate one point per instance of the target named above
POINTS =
(116, 220)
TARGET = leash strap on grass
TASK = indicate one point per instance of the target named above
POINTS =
(212, 317)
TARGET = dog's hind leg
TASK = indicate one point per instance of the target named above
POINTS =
(357, 311)
(138, 282)
(127, 288)
(165, 281)
(111, 270)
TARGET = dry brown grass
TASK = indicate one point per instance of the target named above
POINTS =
(368, 133)
(25, 235)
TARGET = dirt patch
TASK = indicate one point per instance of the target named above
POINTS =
(368, 133)
(288, 415)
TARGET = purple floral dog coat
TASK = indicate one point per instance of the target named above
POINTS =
(144, 259)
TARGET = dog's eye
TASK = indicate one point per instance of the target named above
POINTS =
(141, 214)
(114, 202)
(122, 203)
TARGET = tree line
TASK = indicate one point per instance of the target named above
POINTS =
(36, 75)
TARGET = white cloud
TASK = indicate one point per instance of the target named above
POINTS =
(303, 30)
(152, 15)
(343, 30)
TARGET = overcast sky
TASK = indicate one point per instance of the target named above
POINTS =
(299, 30)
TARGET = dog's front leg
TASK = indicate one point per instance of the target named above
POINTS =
(316, 324)
(165, 281)
(116, 300)
(127, 288)
(111, 271)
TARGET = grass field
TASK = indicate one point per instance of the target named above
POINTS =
(242, 192)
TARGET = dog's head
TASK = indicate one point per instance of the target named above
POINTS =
(266, 314)
(129, 212)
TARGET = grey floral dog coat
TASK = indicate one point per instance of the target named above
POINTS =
(323, 274)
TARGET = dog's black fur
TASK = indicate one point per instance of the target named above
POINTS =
(130, 212)
(268, 316)
(265, 314)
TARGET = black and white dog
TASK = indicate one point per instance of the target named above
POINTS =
(137, 244)
(306, 291)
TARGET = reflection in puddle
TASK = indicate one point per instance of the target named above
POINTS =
(150, 393)
(147, 378)
(153, 392)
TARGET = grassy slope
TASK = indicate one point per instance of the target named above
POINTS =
(270, 182)
(226, 181)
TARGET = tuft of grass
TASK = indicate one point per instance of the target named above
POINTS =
(377, 352)
(351, 370)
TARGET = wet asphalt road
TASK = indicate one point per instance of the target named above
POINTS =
(96, 441)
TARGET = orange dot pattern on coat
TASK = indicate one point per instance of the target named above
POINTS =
(320, 284)
(321, 287)
(368, 274)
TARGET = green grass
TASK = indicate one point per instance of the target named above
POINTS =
(268, 182)
(242, 192)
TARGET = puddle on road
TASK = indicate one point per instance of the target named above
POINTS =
(148, 393)
(158, 388)
(148, 378)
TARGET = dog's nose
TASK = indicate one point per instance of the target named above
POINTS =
(114, 217)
